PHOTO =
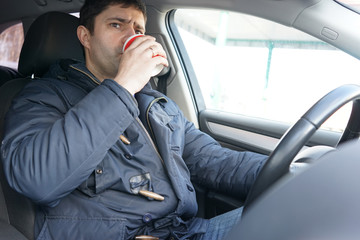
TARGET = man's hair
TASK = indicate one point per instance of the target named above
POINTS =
(93, 8)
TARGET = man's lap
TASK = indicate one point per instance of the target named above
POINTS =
(221, 225)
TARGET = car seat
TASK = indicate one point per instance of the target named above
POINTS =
(6, 74)
(52, 36)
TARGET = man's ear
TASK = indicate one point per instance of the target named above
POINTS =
(84, 36)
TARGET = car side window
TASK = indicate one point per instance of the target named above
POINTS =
(251, 66)
(11, 41)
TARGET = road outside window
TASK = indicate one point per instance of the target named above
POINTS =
(254, 67)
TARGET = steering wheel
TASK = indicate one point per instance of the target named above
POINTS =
(298, 135)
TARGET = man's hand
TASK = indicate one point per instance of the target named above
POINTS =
(138, 63)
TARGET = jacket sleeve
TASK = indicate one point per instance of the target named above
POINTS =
(48, 151)
(219, 168)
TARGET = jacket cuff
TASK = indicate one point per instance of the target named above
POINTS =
(124, 95)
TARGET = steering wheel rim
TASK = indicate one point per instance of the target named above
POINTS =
(298, 135)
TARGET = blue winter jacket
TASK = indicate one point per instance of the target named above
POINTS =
(62, 150)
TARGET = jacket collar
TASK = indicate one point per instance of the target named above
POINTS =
(75, 71)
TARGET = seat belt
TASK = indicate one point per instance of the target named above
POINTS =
(163, 82)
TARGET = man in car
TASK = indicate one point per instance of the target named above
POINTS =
(106, 157)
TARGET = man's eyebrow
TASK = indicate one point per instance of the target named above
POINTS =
(123, 20)
(119, 19)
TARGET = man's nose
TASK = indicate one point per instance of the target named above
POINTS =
(129, 32)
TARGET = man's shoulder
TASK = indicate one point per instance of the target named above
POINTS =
(62, 77)
(45, 84)
(51, 88)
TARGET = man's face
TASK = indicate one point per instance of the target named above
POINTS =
(111, 29)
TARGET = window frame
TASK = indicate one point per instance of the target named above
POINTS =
(185, 62)
(193, 81)
(258, 126)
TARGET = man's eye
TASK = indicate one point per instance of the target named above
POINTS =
(139, 32)
(115, 25)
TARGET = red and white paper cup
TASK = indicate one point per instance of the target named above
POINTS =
(127, 44)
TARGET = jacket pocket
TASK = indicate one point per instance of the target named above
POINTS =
(55, 228)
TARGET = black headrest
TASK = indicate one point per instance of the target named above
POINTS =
(52, 36)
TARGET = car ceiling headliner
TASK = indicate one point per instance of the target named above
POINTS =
(12, 10)
(306, 15)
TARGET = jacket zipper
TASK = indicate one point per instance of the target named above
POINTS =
(97, 82)
(88, 75)
(151, 130)
(137, 119)
(147, 113)
(151, 141)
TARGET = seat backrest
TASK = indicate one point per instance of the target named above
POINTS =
(6, 74)
(52, 36)
(20, 211)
